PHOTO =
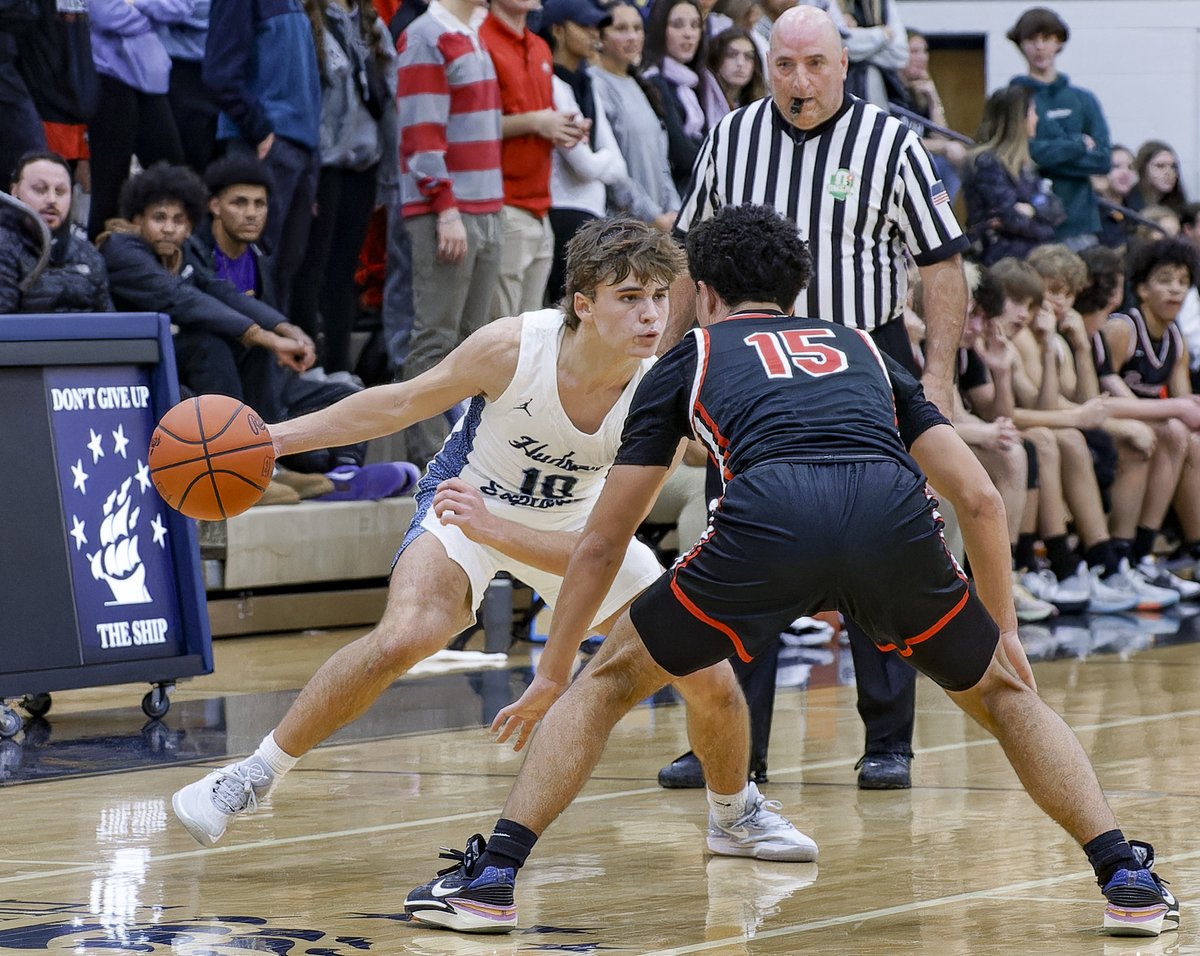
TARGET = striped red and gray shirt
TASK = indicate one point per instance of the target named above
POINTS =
(448, 107)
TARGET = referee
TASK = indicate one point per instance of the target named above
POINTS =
(862, 190)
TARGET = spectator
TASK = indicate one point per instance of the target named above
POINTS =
(260, 62)
(743, 14)
(949, 155)
(1072, 141)
(1009, 208)
(649, 192)
(21, 131)
(580, 174)
(984, 372)
(228, 343)
(735, 75)
(531, 127)
(1158, 184)
(878, 45)
(1148, 353)
(772, 10)
(354, 55)
(452, 188)
(192, 103)
(1136, 528)
(1115, 187)
(74, 279)
(675, 59)
(226, 246)
(56, 63)
(134, 116)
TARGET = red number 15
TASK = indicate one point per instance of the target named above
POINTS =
(775, 348)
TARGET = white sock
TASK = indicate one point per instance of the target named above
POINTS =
(727, 809)
(275, 757)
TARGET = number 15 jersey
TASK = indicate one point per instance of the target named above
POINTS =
(522, 451)
(764, 387)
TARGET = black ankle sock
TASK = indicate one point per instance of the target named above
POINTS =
(1063, 560)
(1123, 548)
(1024, 556)
(1143, 543)
(509, 846)
(1102, 555)
(1108, 853)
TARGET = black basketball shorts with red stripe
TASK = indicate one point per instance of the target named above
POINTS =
(794, 538)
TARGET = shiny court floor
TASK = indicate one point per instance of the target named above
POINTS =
(92, 861)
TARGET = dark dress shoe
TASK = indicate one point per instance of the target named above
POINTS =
(682, 773)
(884, 772)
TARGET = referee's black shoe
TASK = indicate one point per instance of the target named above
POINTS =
(685, 773)
(884, 772)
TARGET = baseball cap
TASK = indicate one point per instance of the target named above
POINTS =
(586, 13)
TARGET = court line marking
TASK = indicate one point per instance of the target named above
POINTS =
(596, 798)
(916, 906)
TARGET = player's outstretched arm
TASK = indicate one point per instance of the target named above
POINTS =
(624, 503)
(956, 473)
(483, 365)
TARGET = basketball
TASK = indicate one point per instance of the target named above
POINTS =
(211, 457)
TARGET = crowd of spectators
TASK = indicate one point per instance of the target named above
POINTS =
(277, 175)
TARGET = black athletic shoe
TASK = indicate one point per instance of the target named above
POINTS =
(884, 772)
(470, 904)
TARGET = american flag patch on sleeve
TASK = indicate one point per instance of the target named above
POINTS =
(937, 192)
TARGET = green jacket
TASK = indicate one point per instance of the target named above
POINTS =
(1065, 115)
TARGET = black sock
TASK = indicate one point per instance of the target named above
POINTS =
(1143, 544)
(1063, 560)
(509, 846)
(1108, 853)
(1102, 555)
(1024, 556)
(1192, 548)
(1123, 547)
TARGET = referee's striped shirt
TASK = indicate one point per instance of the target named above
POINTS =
(860, 187)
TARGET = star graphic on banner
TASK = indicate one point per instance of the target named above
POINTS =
(94, 447)
(81, 476)
(120, 441)
(143, 476)
(160, 531)
(77, 532)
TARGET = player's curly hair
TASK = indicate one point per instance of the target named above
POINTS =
(610, 250)
(163, 182)
(749, 254)
(1106, 274)
(1145, 257)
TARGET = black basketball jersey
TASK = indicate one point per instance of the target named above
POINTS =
(1147, 369)
(765, 387)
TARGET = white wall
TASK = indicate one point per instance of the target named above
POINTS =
(1141, 58)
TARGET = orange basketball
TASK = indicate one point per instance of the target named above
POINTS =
(211, 457)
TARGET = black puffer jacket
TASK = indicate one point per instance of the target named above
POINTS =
(194, 298)
(75, 279)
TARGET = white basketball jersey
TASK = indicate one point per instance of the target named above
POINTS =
(522, 451)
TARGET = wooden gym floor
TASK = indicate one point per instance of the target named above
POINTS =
(92, 860)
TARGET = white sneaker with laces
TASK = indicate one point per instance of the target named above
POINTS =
(206, 806)
(762, 834)
(1161, 577)
(1149, 597)
(1029, 608)
(1069, 596)
(1105, 596)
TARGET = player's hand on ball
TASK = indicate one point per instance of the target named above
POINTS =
(521, 717)
(458, 503)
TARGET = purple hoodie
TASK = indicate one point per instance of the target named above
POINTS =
(125, 40)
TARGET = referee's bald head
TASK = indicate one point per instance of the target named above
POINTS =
(807, 64)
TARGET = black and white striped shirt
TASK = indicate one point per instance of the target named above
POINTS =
(860, 187)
